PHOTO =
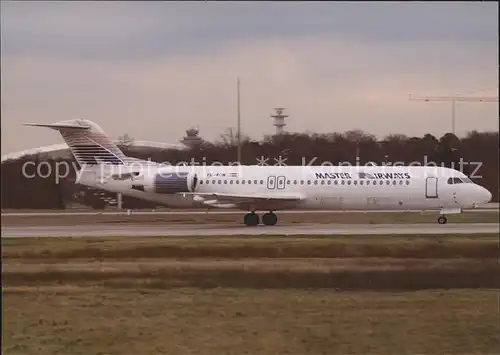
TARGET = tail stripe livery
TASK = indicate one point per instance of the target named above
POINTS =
(88, 142)
(93, 148)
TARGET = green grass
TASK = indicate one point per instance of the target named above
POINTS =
(311, 246)
(379, 294)
(348, 262)
(94, 320)
(384, 275)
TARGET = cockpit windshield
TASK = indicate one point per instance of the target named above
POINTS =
(457, 180)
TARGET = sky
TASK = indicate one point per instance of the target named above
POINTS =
(154, 69)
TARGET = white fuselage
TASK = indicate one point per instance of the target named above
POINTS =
(319, 187)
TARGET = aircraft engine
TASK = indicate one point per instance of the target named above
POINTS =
(170, 183)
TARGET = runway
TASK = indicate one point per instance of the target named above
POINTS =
(213, 212)
(136, 230)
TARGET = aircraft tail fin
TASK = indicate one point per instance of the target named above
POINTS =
(88, 142)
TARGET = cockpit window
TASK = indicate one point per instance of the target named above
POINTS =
(456, 180)
(462, 180)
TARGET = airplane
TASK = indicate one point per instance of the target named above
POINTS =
(103, 165)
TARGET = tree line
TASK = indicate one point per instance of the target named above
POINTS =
(476, 155)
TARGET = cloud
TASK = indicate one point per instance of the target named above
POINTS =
(135, 30)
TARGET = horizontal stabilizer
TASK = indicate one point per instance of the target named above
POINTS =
(58, 126)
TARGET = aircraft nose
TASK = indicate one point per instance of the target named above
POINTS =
(488, 196)
(484, 196)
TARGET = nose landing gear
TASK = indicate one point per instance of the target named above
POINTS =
(442, 220)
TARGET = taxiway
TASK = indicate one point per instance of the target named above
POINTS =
(174, 230)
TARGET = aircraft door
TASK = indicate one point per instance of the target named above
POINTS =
(271, 182)
(431, 187)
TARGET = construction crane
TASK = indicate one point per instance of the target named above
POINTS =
(454, 100)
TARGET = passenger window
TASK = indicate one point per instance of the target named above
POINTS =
(407, 182)
(295, 182)
(255, 182)
(231, 182)
(361, 182)
(394, 182)
(249, 181)
(329, 182)
(315, 182)
(349, 182)
(336, 182)
(355, 182)
(225, 181)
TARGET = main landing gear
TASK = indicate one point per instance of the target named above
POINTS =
(442, 219)
(252, 219)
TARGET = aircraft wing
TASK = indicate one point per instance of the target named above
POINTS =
(260, 201)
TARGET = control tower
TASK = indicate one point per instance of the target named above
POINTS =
(191, 139)
(279, 119)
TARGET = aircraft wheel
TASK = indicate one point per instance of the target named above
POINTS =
(442, 220)
(269, 219)
(251, 219)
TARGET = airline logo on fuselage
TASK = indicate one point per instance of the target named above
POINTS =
(384, 175)
(363, 175)
(333, 176)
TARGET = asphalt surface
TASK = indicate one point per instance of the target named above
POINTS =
(214, 212)
(144, 230)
